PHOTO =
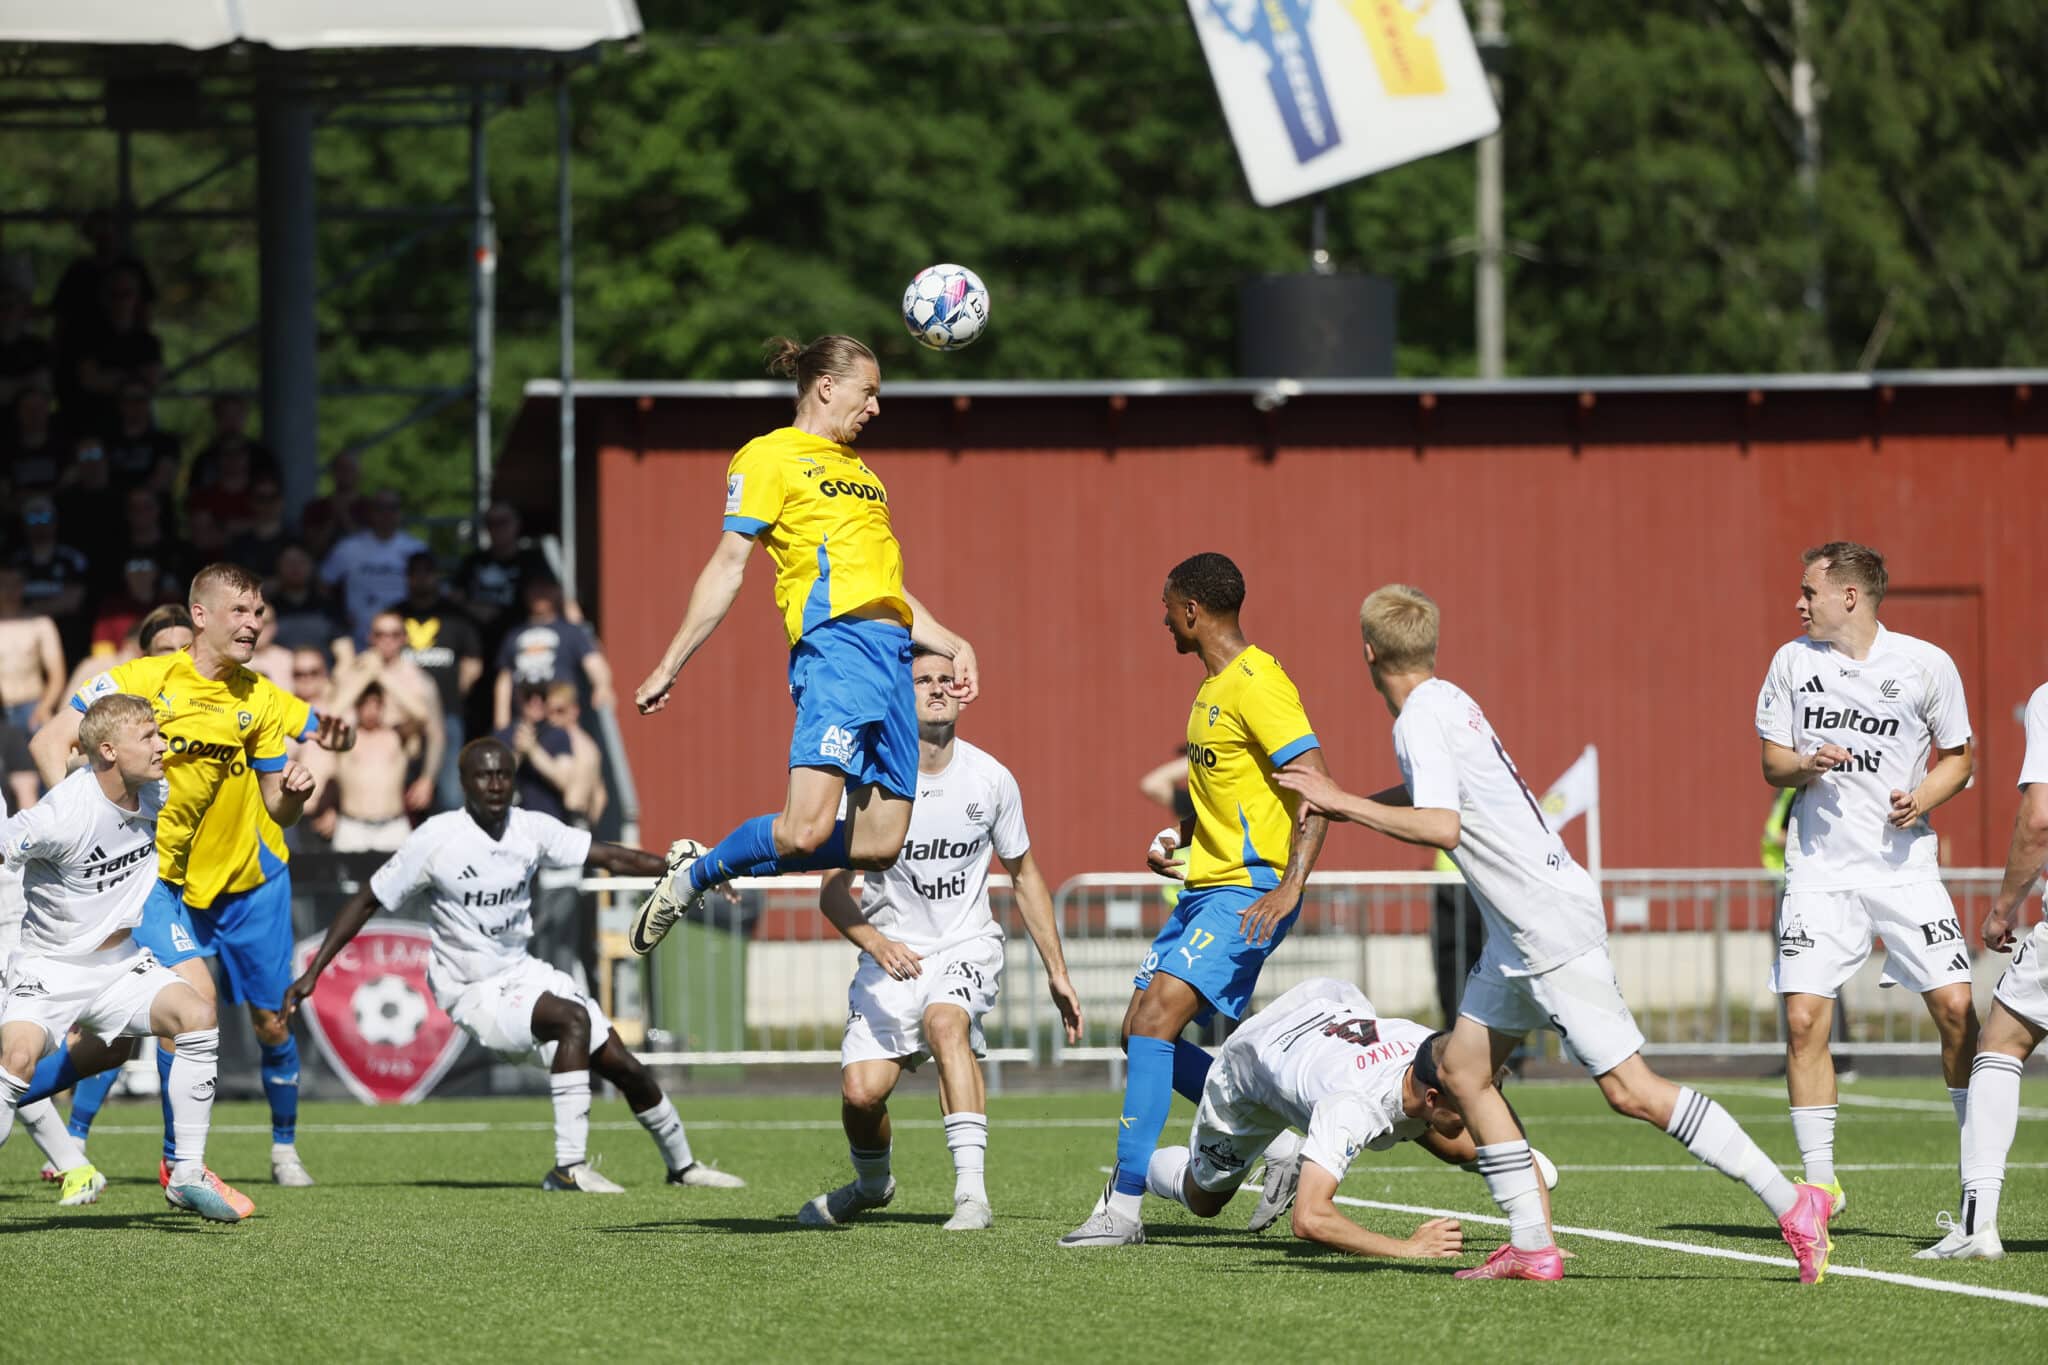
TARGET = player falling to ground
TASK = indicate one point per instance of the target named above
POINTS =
(1847, 716)
(1244, 877)
(823, 517)
(2017, 1022)
(474, 867)
(1545, 964)
(222, 721)
(1320, 1059)
(88, 852)
(932, 958)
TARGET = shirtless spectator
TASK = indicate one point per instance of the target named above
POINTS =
(549, 649)
(368, 567)
(492, 581)
(136, 447)
(411, 703)
(31, 658)
(369, 783)
(584, 793)
(306, 616)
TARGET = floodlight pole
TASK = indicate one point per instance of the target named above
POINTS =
(565, 246)
(483, 277)
(1490, 294)
(288, 325)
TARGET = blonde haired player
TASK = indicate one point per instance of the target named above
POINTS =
(2018, 1020)
(1545, 964)
(1847, 716)
(89, 860)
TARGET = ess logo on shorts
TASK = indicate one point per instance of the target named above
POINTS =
(837, 744)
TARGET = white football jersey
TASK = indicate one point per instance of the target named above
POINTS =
(2034, 767)
(87, 865)
(479, 889)
(936, 896)
(1320, 1058)
(1888, 710)
(1531, 892)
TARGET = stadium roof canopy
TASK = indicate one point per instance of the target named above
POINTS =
(318, 25)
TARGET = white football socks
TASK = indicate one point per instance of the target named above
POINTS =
(1711, 1133)
(570, 1091)
(12, 1088)
(665, 1126)
(1988, 1130)
(195, 1067)
(870, 1170)
(1285, 1147)
(46, 1126)
(967, 1136)
(1166, 1174)
(1961, 1100)
(1813, 1130)
(1511, 1179)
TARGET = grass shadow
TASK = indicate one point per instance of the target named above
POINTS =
(1747, 1232)
(760, 1225)
(164, 1220)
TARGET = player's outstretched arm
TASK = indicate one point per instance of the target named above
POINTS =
(625, 862)
(926, 630)
(1430, 826)
(51, 746)
(2023, 861)
(348, 922)
(718, 585)
(1034, 906)
(1317, 1219)
(837, 903)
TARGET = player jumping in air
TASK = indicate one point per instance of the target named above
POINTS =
(88, 852)
(1847, 715)
(932, 958)
(1545, 964)
(475, 867)
(2017, 1022)
(823, 517)
(1244, 877)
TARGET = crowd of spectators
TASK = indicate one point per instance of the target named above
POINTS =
(108, 516)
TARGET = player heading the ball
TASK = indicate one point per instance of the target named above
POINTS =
(823, 517)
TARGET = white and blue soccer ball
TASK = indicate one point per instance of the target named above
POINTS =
(946, 307)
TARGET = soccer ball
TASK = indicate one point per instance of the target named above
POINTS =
(945, 307)
(389, 1012)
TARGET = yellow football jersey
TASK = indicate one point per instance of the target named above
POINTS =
(823, 517)
(239, 847)
(216, 729)
(1246, 722)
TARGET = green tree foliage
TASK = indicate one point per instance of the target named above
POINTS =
(785, 166)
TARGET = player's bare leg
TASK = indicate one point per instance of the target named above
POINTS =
(1989, 1124)
(1955, 1019)
(566, 1024)
(654, 1112)
(963, 1101)
(875, 826)
(1472, 1057)
(1810, 1086)
(864, 1090)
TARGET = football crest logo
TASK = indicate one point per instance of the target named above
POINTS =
(374, 1016)
(243, 719)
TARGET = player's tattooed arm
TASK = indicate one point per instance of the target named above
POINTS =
(625, 862)
(718, 585)
(836, 900)
(348, 922)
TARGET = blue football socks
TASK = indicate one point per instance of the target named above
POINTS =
(1191, 1063)
(86, 1098)
(53, 1074)
(163, 1076)
(749, 851)
(281, 1088)
(1148, 1097)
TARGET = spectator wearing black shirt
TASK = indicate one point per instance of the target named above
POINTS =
(76, 306)
(443, 642)
(54, 575)
(492, 582)
(19, 787)
(137, 448)
(231, 433)
(264, 539)
(548, 649)
(35, 447)
(307, 618)
(121, 350)
(546, 755)
(26, 360)
(149, 538)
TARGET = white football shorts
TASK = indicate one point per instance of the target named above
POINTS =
(1231, 1131)
(107, 993)
(2024, 987)
(498, 1011)
(1578, 999)
(1824, 936)
(885, 1017)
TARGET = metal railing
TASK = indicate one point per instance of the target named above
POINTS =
(764, 980)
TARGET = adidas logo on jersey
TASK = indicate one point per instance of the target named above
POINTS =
(1812, 685)
(467, 874)
(96, 854)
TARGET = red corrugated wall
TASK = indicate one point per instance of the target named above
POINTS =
(1613, 571)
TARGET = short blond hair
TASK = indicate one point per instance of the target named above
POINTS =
(1848, 562)
(107, 715)
(1400, 623)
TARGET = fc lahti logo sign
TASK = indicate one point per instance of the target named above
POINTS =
(374, 1017)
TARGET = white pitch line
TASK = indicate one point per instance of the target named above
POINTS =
(1942, 1107)
(751, 1125)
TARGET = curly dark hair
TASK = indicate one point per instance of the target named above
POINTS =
(1210, 579)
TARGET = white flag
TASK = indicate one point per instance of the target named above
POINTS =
(1575, 792)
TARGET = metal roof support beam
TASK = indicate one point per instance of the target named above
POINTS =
(566, 255)
(289, 326)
